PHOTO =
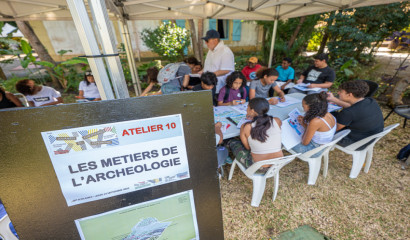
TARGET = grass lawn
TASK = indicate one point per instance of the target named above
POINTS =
(373, 206)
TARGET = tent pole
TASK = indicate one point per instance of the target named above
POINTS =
(130, 56)
(104, 28)
(90, 45)
(275, 28)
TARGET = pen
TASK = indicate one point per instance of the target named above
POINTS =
(231, 120)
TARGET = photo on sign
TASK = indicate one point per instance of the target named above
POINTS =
(170, 217)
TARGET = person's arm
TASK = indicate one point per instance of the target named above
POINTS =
(321, 85)
(14, 99)
(97, 99)
(312, 127)
(337, 101)
(31, 103)
(273, 101)
(80, 95)
(252, 93)
(148, 89)
(221, 72)
(300, 80)
(243, 135)
(340, 126)
(59, 100)
(280, 93)
(278, 121)
(284, 85)
(218, 131)
(185, 81)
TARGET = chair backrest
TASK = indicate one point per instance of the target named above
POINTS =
(336, 138)
(373, 86)
(22, 99)
(377, 136)
(276, 165)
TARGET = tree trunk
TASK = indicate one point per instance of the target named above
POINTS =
(323, 42)
(2, 75)
(400, 87)
(296, 32)
(35, 42)
(194, 40)
(200, 41)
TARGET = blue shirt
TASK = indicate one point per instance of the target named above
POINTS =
(285, 74)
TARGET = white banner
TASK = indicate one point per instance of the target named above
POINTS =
(102, 161)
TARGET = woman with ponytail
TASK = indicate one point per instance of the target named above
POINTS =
(260, 139)
(320, 126)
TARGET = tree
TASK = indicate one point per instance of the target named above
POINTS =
(167, 40)
(354, 30)
(35, 42)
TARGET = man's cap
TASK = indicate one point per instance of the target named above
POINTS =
(253, 60)
(211, 34)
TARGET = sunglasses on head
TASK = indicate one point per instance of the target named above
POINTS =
(88, 74)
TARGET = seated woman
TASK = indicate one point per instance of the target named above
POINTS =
(260, 139)
(320, 126)
(8, 100)
(194, 76)
(234, 92)
(266, 80)
(38, 95)
(88, 89)
(152, 74)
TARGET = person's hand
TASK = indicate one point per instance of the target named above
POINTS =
(330, 97)
(79, 97)
(299, 81)
(243, 101)
(311, 85)
(236, 102)
(282, 99)
(273, 101)
(300, 121)
(218, 125)
(283, 87)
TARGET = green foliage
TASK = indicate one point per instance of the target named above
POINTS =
(315, 40)
(167, 40)
(352, 31)
(286, 29)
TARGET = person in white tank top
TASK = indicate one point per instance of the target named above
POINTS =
(320, 126)
(260, 139)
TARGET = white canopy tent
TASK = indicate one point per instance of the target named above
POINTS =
(270, 10)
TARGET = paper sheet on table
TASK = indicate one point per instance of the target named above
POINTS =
(243, 121)
(333, 107)
(280, 84)
(288, 101)
(290, 137)
(304, 87)
(241, 108)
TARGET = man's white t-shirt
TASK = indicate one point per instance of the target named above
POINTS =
(44, 96)
(221, 58)
(90, 91)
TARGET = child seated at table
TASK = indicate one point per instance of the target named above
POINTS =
(266, 80)
(234, 92)
(152, 74)
(208, 82)
(260, 139)
(320, 126)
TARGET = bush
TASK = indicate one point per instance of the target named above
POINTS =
(168, 40)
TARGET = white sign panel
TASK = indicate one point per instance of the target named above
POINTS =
(102, 161)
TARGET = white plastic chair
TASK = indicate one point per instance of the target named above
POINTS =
(315, 162)
(259, 179)
(5, 231)
(359, 156)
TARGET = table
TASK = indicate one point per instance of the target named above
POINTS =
(274, 111)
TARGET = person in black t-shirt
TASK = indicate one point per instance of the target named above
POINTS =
(208, 82)
(364, 117)
(318, 76)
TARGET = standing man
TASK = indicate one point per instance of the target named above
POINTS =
(219, 60)
(318, 76)
(250, 70)
(286, 73)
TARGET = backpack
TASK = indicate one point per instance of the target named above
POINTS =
(404, 153)
(168, 72)
(227, 90)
